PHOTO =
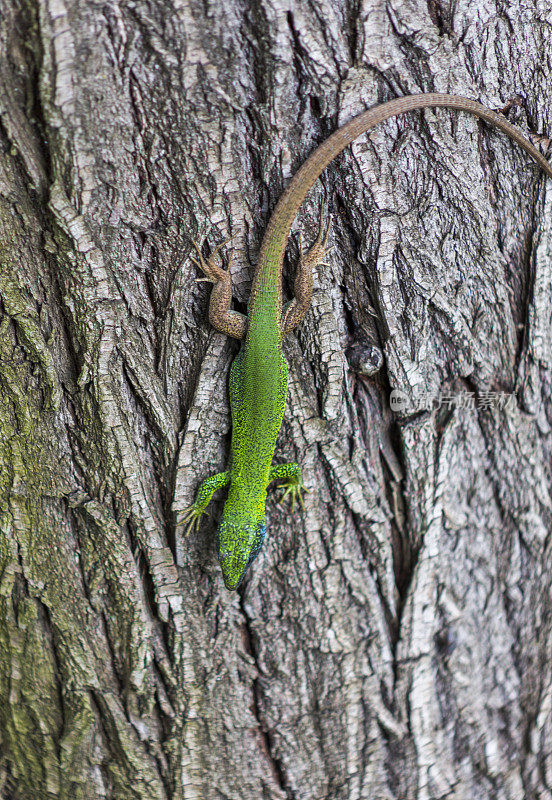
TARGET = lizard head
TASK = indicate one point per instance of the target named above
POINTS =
(239, 541)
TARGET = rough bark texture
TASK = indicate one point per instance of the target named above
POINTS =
(394, 640)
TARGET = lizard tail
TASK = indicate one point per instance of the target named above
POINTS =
(273, 246)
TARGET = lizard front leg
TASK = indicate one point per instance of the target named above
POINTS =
(206, 490)
(221, 316)
(293, 484)
(295, 310)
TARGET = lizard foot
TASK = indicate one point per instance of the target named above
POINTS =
(213, 273)
(319, 250)
(293, 487)
(205, 491)
(191, 518)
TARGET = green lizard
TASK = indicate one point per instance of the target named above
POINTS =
(259, 373)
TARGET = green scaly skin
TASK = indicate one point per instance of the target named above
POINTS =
(259, 374)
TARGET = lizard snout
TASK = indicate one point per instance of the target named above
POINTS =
(239, 542)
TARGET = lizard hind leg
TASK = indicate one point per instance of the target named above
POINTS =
(295, 310)
(221, 316)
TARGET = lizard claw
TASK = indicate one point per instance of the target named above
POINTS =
(222, 244)
(211, 271)
(191, 519)
(322, 238)
(319, 249)
(294, 489)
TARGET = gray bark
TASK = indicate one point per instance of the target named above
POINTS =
(393, 640)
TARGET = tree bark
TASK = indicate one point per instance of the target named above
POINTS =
(394, 639)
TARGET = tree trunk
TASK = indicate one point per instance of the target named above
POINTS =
(394, 639)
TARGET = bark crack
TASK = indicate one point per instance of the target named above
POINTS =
(266, 741)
